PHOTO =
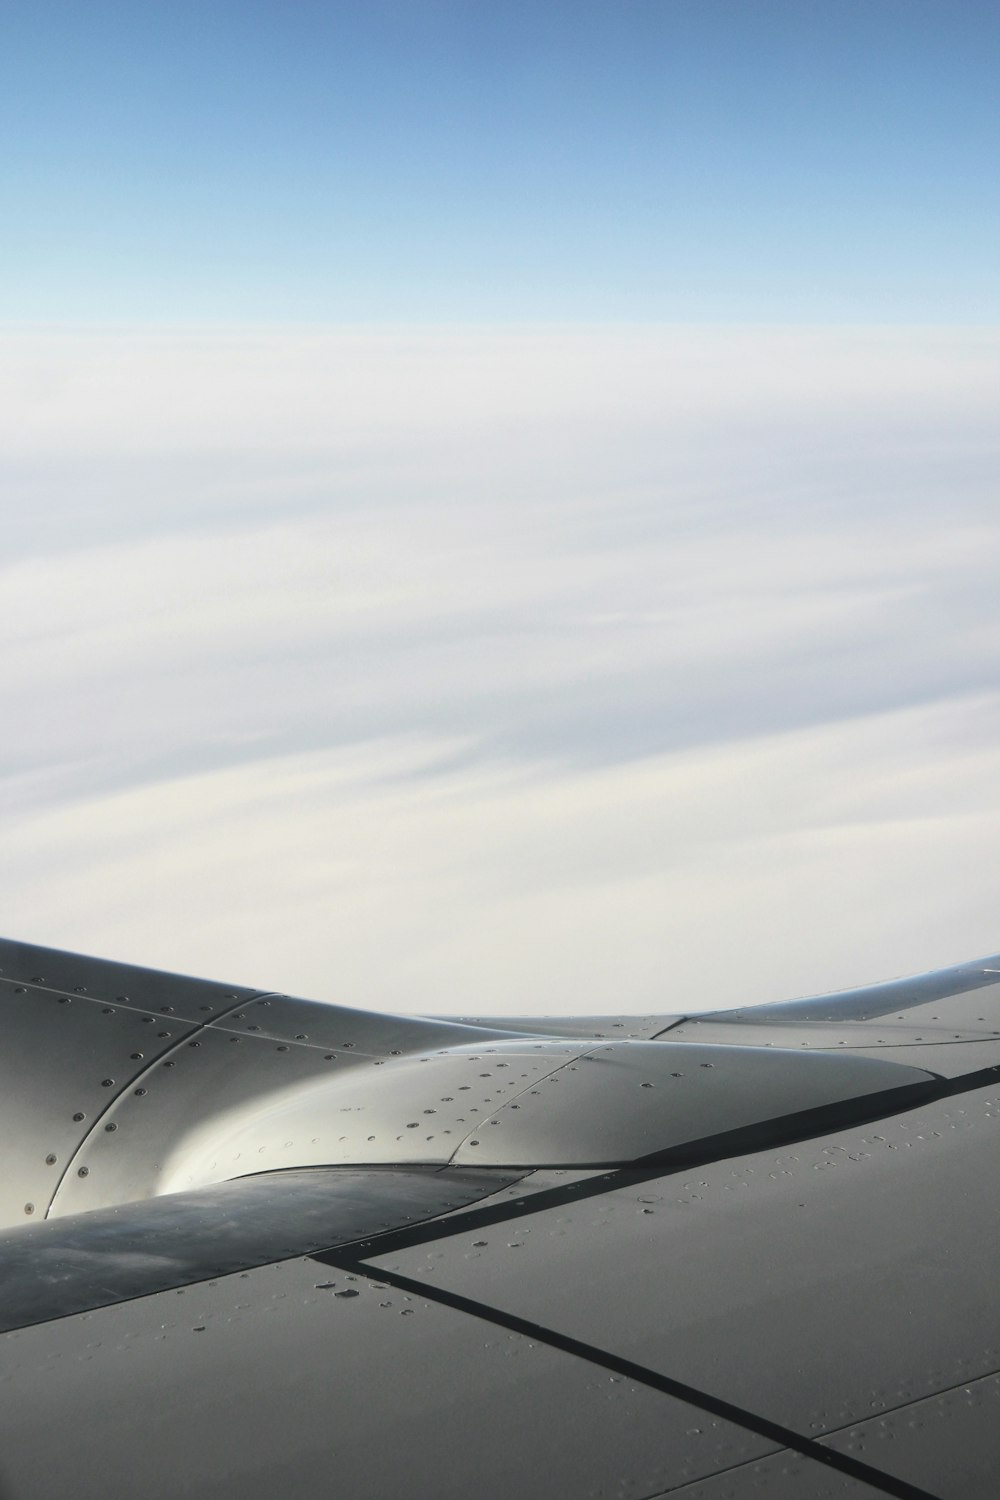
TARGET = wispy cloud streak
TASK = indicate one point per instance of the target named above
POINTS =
(503, 669)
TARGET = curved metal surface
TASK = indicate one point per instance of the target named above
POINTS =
(224, 1105)
(630, 1100)
(51, 971)
(701, 1323)
(899, 997)
(206, 1075)
(595, 1028)
(338, 1028)
(63, 1060)
(827, 1036)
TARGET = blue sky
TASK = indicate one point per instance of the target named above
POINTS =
(434, 161)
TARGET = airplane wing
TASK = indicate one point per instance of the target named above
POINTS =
(258, 1246)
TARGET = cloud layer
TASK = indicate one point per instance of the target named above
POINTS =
(503, 670)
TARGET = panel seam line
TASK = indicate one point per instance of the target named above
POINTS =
(784, 1437)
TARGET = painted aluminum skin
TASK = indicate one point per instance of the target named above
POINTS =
(252, 1245)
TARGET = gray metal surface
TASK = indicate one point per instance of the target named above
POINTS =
(49, 970)
(781, 1283)
(948, 1443)
(227, 1105)
(785, 1476)
(298, 1381)
(63, 1059)
(64, 1266)
(597, 1028)
(812, 1285)
(894, 997)
(629, 1100)
(338, 1028)
(886, 1031)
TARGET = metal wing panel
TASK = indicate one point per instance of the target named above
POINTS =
(50, 970)
(597, 1028)
(947, 1443)
(63, 1061)
(60, 1267)
(956, 988)
(128, 1155)
(813, 1284)
(785, 1476)
(296, 1381)
(725, 1316)
(339, 1028)
(223, 1105)
(625, 1101)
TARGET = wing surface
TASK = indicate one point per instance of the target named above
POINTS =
(779, 1280)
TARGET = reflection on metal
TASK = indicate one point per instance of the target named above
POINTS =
(899, 998)
(65, 1266)
(596, 1028)
(48, 971)
(64, 1059)
(278, 1231)
(299, 1381)
(621, 1103)
(113, 1100)
(226, 1106)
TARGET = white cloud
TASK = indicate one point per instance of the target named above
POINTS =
(503, 669)
(792, 863)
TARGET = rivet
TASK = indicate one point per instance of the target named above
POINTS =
(111, 1127)
(50, 1160)
(83, 1172)
(79, 1117)
(139, 1093)
(135, 1056)
(29, 1208)
(107, 1083)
